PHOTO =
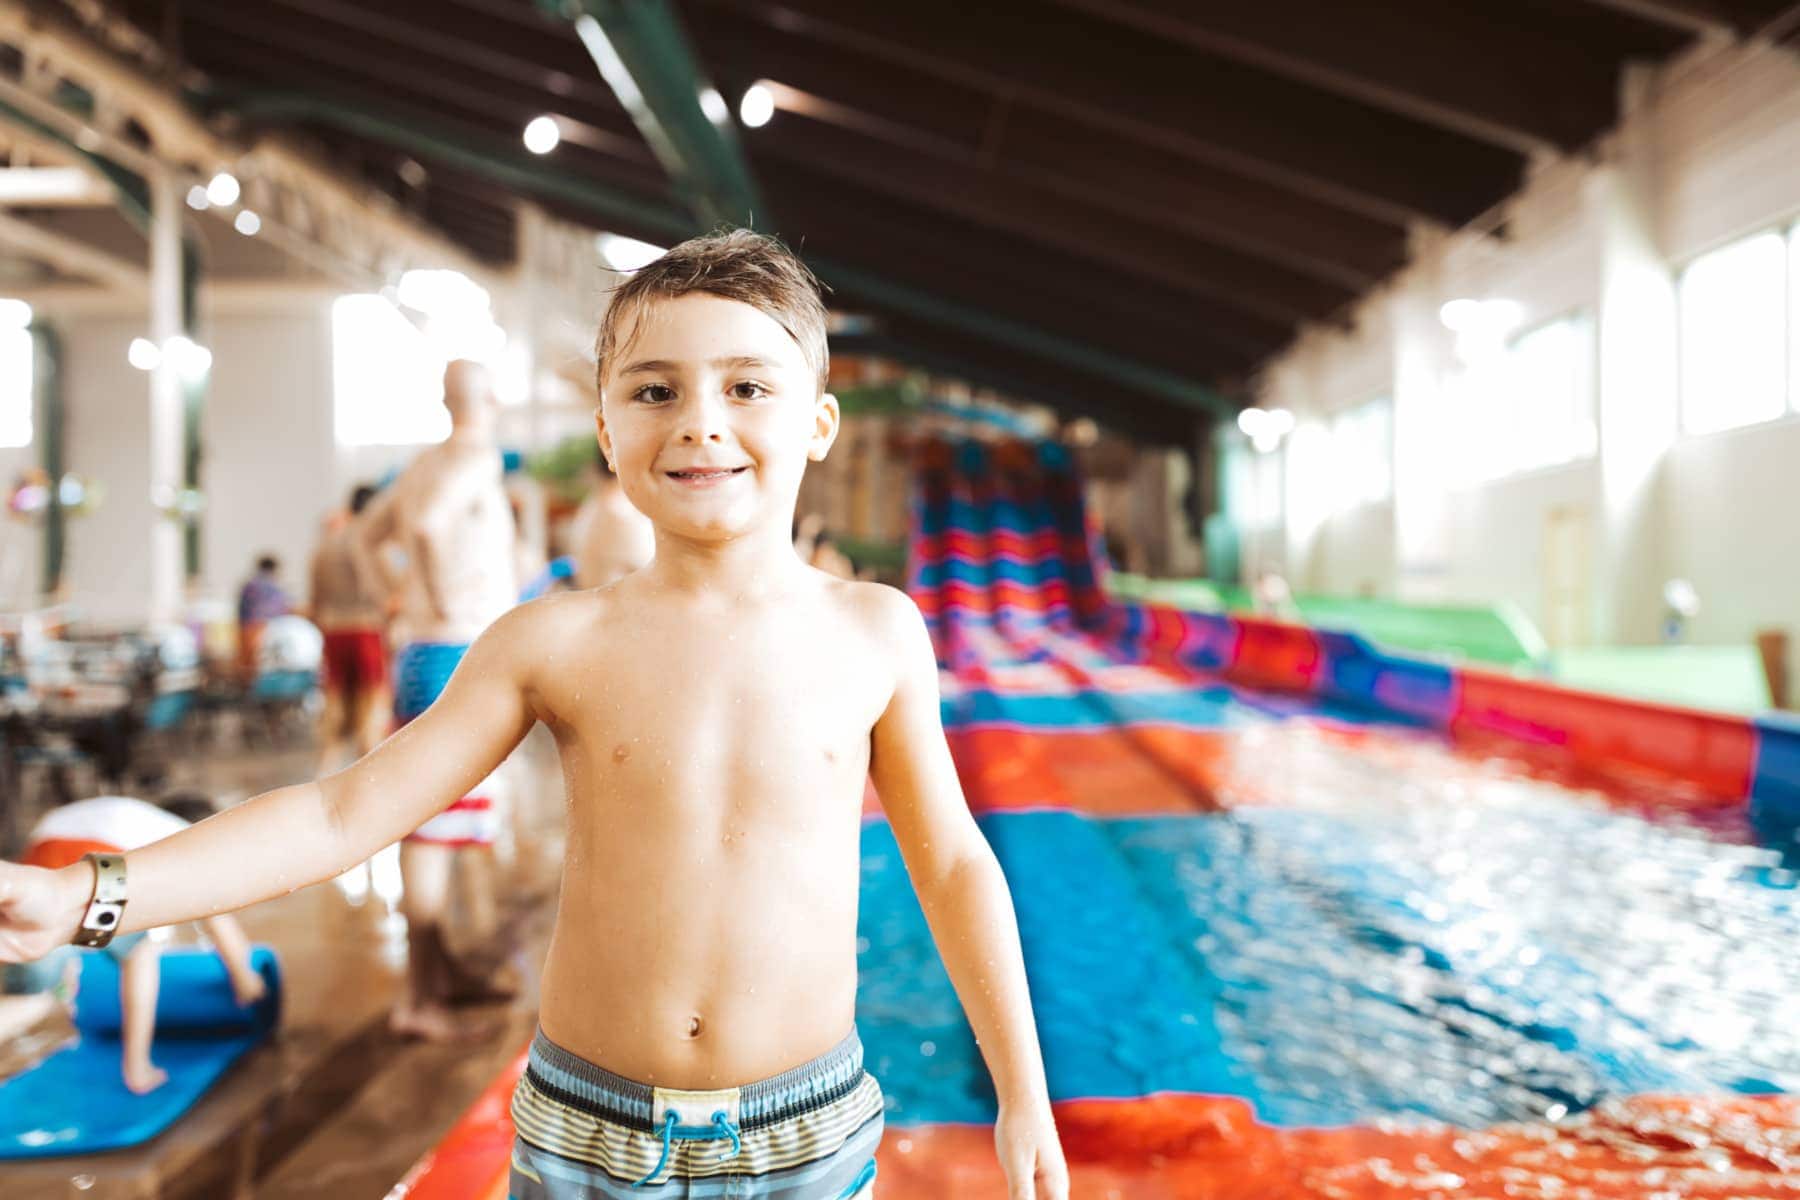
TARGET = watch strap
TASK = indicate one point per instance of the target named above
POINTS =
(107, 909)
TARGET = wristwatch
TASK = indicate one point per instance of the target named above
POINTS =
(104, 912)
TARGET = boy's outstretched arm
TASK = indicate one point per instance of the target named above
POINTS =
(967, 904)
(288, 838)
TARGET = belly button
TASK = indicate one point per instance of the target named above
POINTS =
(693, 1027)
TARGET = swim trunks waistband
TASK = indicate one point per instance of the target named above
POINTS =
(572, 1080)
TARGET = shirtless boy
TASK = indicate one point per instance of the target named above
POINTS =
(717, 712)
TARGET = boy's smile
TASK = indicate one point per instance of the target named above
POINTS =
(711, 415)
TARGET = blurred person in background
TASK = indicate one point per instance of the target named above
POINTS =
(448, 512)
(611, 538)
(347, 606)
(260, 600)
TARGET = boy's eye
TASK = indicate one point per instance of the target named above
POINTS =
(748, 390)
(653, 393)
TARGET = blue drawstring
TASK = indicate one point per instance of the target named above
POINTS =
(723, 1124)
(721, 1127)
(668, 1134)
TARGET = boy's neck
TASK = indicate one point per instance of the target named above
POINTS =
(755, 563)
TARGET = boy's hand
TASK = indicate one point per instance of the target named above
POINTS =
(40, 910)
(1031, 1154)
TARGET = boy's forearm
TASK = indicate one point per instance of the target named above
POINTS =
(971, 915)
(266, 847)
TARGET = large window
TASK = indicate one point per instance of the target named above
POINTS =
(1735, 328)
(1362, 447)
(1549, 396)
(15, 387)
(1528, 404)
(387, 377)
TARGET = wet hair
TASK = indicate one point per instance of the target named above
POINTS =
(192, 807)
(737, 264)
(360, 497)
(268, 562)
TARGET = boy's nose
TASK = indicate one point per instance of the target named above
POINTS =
(703, 422)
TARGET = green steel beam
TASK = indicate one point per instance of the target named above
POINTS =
(647, 60)
(450, 145)
(46, 384)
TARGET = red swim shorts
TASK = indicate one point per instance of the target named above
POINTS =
(355, 660)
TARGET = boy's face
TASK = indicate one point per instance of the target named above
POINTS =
(710, 417)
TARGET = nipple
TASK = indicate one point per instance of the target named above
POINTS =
(622, 753)
(693, 1027)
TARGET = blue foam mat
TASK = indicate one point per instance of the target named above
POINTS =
(75, 1102)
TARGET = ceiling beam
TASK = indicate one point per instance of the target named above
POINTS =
(70, 256)
(650, 220)
(644, 55)
(445, 142)
(1011, 272)
(1689, 16)
(540, 55)
(1456, 69)
(990, 200)
(222, 41)
(986, 137)
(1227, 116)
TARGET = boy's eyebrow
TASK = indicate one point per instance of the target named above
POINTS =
(662, 366)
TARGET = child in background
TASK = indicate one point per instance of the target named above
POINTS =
(717, 713)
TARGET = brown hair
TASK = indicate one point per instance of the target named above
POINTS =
(738, 264)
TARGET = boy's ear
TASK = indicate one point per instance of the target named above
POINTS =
(603, 437)
(825, 427)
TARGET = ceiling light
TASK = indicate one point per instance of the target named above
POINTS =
(714, 106)
(757, 106)
(14, 314)
(542, 135)
(187, 356)
(247, 223)
(223, 189)
(143, 354)
(197, 199)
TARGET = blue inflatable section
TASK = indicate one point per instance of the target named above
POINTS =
(1775, 789)
(1198, 708)
(75, 1102)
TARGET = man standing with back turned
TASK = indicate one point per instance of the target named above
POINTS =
(448, 513)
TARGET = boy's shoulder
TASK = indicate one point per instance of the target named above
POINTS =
(548, 621)
(877, 610)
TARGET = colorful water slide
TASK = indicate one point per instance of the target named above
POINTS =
(1303, 919)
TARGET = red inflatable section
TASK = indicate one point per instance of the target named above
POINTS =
(1708, 758)
(472, 1161)
(1182, 1147)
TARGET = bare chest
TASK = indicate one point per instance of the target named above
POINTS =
(748, 710)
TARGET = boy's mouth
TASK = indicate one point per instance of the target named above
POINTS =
(705, 474)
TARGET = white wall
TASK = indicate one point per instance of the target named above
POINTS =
(1709, 151)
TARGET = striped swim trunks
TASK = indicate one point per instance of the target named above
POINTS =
(585, 1133)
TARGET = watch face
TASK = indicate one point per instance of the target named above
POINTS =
(102, 917)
